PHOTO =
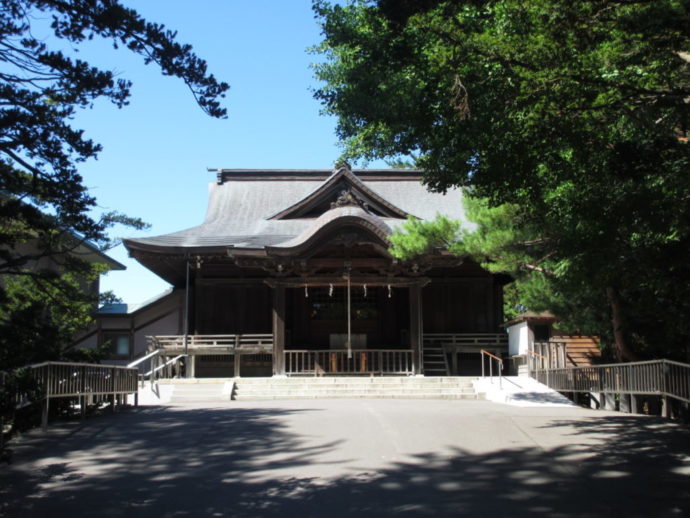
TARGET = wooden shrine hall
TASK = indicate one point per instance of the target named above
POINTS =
(290, 274)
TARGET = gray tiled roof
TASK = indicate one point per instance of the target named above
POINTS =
(239, 210)
(121, 308)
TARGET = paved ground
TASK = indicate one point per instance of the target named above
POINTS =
(335, 458)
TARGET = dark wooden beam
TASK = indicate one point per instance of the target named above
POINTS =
(394, 282)
(416, 328)
(279, 331)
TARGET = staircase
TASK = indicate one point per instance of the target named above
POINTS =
(191, 391)
(434, 358)
(355, 387)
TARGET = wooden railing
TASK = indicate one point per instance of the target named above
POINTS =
(90, 383)
(470, 342)
(360, 361)
(657, 377)
(549, 355)
(175, 344)
(454, 345)
(486, 355)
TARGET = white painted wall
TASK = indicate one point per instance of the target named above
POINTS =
(518, 338)
(168, 325)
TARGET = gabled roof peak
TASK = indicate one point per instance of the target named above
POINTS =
(341, 189)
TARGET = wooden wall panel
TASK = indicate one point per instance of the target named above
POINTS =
(461, 306)
(230, 309)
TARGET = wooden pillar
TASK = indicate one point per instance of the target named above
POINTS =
(634, 406)
(416, 328)
(279, 331)
(191, 366)
(45, 412)
(236, 363)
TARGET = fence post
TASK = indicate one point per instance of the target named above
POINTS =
(237, 357)
(82, 392)
(44, 414)
(46, 395)
(665, 402)
(112, 390)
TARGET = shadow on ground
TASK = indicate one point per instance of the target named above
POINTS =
(213, 463)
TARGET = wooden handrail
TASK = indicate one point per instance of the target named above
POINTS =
(484, 351)
(71, 364)
(530, 351)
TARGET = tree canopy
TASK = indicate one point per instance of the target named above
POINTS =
(574, 113)
(45, 209)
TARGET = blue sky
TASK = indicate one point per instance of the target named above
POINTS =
(157, 149)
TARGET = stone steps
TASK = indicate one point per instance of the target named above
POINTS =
(364, 395)
(198, 392)
(189, 391)
(378, 380)
(342, 387)
(362, 386)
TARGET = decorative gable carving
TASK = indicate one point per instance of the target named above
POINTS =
(342, 189)
(348, 198)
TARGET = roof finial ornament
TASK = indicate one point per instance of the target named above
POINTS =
(343, 164)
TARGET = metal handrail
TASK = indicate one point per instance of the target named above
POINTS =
(144, 358)
(162, 366)
(499, 360)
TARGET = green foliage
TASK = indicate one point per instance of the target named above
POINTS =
(18, 382)
(41, 313)
(574, 114)
(42, 88)
(44, 206)
(419, 237)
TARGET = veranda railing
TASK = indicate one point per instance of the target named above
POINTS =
(359, 361)
(250, 343)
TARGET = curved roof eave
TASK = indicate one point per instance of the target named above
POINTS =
(333, 219)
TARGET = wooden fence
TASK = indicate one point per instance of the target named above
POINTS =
(90, 383)
(664, 378)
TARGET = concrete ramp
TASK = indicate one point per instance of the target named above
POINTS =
(520, 391)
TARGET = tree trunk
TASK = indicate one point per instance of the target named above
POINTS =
(621, 347)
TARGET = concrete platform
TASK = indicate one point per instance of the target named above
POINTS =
(338, 458)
